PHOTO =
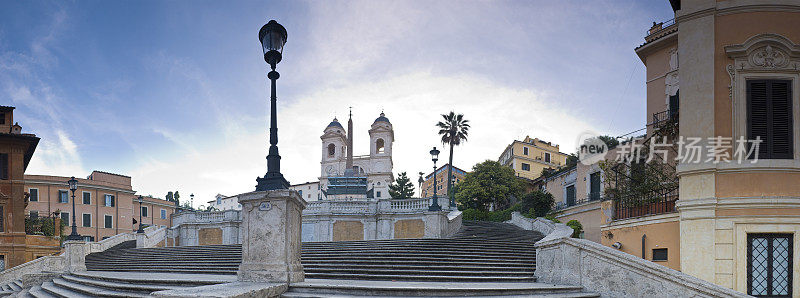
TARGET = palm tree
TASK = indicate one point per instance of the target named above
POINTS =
(453, 130)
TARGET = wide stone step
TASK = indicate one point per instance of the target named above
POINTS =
(170, 270)
(411, 272)
(426, 276)
(93, 290)
(330, 288)
(346, 262)
(431, 267)
(56, 291)
(38, 292)
(143, 288)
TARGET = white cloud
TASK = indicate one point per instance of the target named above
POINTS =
(56, 156)
(412, 102)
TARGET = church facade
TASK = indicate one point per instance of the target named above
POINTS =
(347, 177)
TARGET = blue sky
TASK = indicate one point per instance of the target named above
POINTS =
(174, 93)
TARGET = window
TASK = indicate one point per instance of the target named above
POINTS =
(88, 238)
(87, 220)
(3, 166)
(570, 195)
(594, 186)
(163, 214)
(33, 214)
(144, 211)
(659, 255)
(526, 167)
(34, 195)
(769, 265)
(87, 198)
(769, 117)
(379, 146)
(331, 150)
(300, 192)
(546, 157)
(525, 150)
(219, 201)
(109, 222)
(2, 218)
(65, 218)
(63, 197)
(2, 118)
(109, 201)
(379, 194)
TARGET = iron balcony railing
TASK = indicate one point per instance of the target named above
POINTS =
(594, 196)
(664, 116)
(660, 201)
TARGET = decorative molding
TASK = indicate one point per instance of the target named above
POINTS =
(766, 51)
(732, 74)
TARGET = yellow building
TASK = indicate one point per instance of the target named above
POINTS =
(530, 156)
(731, 68)
(426, 189)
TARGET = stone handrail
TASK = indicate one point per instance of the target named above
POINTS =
(43, 264)
(454, 223)
(607, 271)
(372, 206)
(59, 263)
(206, 217)
(151, 237)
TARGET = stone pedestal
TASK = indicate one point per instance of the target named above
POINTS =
(271, 223)
(76, 252)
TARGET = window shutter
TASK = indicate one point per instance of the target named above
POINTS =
(4, 167)
(769, 116)
(758, 116)
(112, 201)
(781, 101)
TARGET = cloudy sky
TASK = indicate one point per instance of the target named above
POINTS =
(175, 93)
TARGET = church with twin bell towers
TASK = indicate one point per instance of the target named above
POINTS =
(347, 177)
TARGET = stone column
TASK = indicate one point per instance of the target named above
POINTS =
(271, 223)
(76, 252)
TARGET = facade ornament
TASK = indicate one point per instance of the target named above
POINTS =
(732, 74)
(768, 57)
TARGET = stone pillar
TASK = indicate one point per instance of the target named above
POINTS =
(271, 223)
(76, 252)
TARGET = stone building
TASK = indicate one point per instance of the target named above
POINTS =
(721, 70)
(530, 156)
(16, 150)
(441, 181)
(222, 202)
(105, 204)
(373, 171)
(310, 191)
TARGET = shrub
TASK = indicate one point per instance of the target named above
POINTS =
(576, 227)
(552, 218)
(537, 202)
(475, 214)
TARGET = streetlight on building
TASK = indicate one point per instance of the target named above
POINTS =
(272, 37)
(73, 186)
(141, 229)
(435, 204)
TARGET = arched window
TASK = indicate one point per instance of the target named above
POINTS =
(379, 146)
(331, 150)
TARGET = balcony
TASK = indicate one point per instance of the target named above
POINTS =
(43, 226)
(663, 118)
(592, 197)
(661, 201)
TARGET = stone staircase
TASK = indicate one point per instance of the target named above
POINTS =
(483, 259)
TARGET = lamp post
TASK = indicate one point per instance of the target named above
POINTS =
(73, 186)
(435, 204)
(191, 201)
(450, 193)
(272, 37)
(141, 229)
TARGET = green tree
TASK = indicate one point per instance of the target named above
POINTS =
(537, 203)
(401, 188)
(177, 196)
(488, 184)
(610, 141)
(454, 130)
(170, 197)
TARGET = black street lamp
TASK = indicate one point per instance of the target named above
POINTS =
(272, 37)
(435, 203)
(141, 229)
(73, 186)
(450, 193)
(191, 201)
